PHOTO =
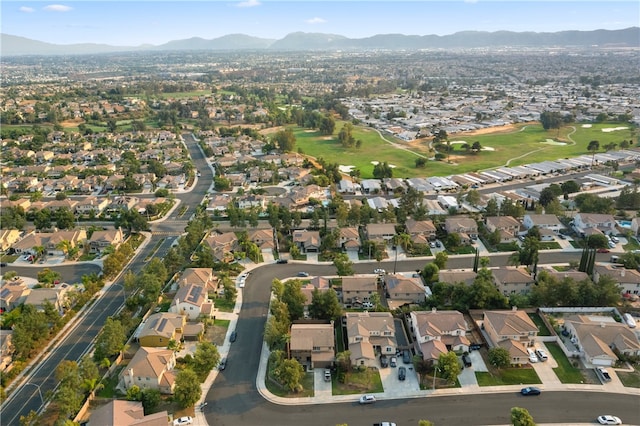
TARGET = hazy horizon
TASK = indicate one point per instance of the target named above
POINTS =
(129, 23)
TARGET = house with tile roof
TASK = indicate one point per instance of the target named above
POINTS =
(466, 227)
(313, 345)
(402, 290)
(50, 241)
(627, 279)
(597, 336)
(512, 280)
(316, 283)
(382, 232)
(507, 226)
(370, 334)
(511, 329)
(100, 240)
(421, 231)
(263, 238)
(307, 241)
(453, 276)
(357, 289)
(542, 221)
(223, 246)
(436, 332)
(150, 368)
(200, 276)
(349, 239)
(126, 413)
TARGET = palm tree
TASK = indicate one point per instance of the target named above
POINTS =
(593, 146)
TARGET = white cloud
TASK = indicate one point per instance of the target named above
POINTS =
(249, 3)
(57, 8)
(26, 9)
(315, 20)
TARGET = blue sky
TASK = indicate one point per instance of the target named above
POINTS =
(131, 23)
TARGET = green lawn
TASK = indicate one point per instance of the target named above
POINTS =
(565, 371)
(508, 376)
(358, 382)
(528, 143)
(542, 327)
(632, 379)
(224, 305)
(307, 387)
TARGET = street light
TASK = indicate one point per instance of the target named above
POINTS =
(39, 391)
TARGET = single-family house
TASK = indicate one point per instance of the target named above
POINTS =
(514, 325)
(313, 345)
(542, 221)
(382, 232)
(421, 231)
(159, 329)
(126, 413)
(263, 238)
(597, 336)
(370, 334)
(307, 241)
(150, 368)
(8, 237)
(604, 223)
(436, 332)
(223, 246)
(203, 277)
(13, 293)
(357, 289)
(466, 227)
(627, 279)
(507, 226)
(513, 280)
(403, 290)
(192, 300)
(453, 276)
(349, 239)
(100, 240)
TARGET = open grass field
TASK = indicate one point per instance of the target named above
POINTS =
(520, 144)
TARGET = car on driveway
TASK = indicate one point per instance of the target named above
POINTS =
(406, 356)
(367, 399)
(384, 361)
(186, 420)
(531, 390)
(609, 420)
(402, 373)
(393, 361)
(233, 336)
(603, 374)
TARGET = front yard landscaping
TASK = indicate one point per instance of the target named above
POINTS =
(508, 376)
(358, 381)
(630, 379)
(565, 371)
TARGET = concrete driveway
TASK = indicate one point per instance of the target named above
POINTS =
(393, 387)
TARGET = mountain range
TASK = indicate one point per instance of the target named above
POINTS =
(630, 37)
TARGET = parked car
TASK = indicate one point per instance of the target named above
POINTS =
(532, 355)
(475, 347)
(367, 399)
(393, 361)
(614, 239)
(379, 271)
(282, 261)
(402, 373)
(466, 359)
(531, 390)
(406, 356)
(327, 375)
(603, 250)
(542, 355)
(367, 305)
(186, 420)
(384, 361)
(3, 265)
(609, 420)
(303, 274)
(233, 336)
(603, 374)
(432, 244)
(223, 364)
(438, 244)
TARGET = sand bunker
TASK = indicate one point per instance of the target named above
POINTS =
(613, 129)
(375, 163)
(346, 169)
(586, 126)
(552, 142)
(487, 148)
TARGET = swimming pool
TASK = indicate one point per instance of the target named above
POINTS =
(624, 223)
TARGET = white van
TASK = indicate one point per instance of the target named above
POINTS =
(542, 355)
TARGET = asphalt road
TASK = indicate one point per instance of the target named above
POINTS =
(234, 400)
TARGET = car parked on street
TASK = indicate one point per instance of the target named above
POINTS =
(223, 364)
(186, 420)
(379, 271)
(530, 390)
(367, 399)
(303, 274)
(233, 336)
(282, 261)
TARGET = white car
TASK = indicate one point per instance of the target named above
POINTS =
(609, 420)
(186, 420)
(532, 355)
(379, 271)
(367, 399)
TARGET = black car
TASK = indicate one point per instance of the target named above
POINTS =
(233, 336)
(402, 373)
(282, 261)
(406, 356)
(466, 360)
(531, 390)
(3, 265)
(384, 361)
(475, 347)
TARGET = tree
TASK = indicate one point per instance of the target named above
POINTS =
(151, 398)
(546, 196)
(205, 359)
(111, 339)
(593, 147)
(187, 388)
(294, 298)
(441, 260)
(521, 417)
(550, 120)
(430, 273)
(285, 140)
(343, 265)
(65, 218)
(449, 366)
(289, 373)
(425, 423)
(325, 305)
(499, 357)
